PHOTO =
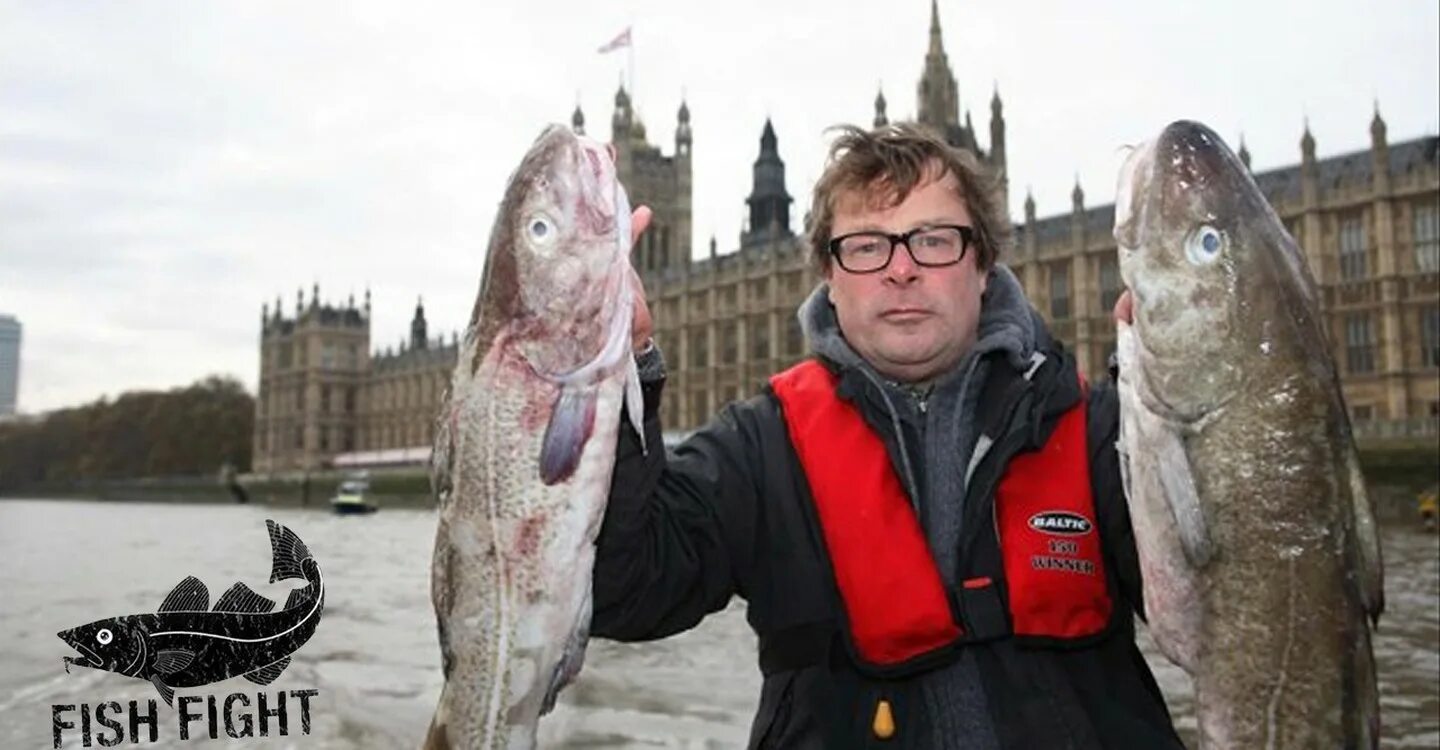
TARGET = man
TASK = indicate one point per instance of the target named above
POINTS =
(925, 519)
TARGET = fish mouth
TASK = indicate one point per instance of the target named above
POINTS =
(89, 658)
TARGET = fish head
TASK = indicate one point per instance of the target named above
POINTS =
(115, 645)
(1211, 270)
(561, 250)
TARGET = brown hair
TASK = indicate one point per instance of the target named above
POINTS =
(885, 164)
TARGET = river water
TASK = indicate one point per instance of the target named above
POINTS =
(375, 661)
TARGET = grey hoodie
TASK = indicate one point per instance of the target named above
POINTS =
(935, 427)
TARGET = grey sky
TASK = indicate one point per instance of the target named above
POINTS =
(166, 167)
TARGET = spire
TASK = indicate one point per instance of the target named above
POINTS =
(1307, 144)
(264, 313)
(683, 137)
(367, 303)
(1244, 153)
(299, 301)
(577, 120)
(620, 121)
(418, 338)
(937, 95)
(315, 295)
(997, 131)
(1377, 128)
(1029, 205)
(769, 202)
(768, 145)
(880, 119)
(937, 46)
(1077, 196)
(277, 307)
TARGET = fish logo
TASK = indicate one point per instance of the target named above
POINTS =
(186, 643)
(1063, 523)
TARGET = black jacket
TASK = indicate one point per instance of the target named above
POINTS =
(729, 513)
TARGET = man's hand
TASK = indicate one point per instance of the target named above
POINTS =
(1124, 308)
(641, 325)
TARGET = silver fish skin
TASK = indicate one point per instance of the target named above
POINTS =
(1257, 543)
(526, 442)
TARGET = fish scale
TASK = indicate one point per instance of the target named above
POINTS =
(526, 446)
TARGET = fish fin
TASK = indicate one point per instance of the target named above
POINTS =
(241, 599)
(287, 553)
(1366, 538)
(268, 673)
(635, 402)
(166, 691)
(571, 422)
(173, 660)
(189, 595)
(1184, 498)
(296, 598)
(571, 661)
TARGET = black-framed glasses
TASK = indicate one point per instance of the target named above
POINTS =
(929, 246)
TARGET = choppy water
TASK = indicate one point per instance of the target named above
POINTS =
(374, 657)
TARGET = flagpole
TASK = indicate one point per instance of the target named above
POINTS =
(630, 57)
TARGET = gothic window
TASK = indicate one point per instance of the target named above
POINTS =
(1359, 344)
(300, 398)
(1362, 413)
(350, 400)
(728, 343)
(759, 337)
(324, 439)
(327, 356)
(349, 439)
(699, 407)
(794, 338)
(1060, 290)
(299, 438)
(1427, 237)
(1430, 336)
(286, 356)
(1109, 282)
(699, 346)
(324, 399)
(1352, 248)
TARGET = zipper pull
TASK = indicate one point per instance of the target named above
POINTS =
(883, 725)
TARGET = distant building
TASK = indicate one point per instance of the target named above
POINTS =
(1369, 222)
(9, 365)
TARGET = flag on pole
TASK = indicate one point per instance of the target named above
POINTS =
(623, 40)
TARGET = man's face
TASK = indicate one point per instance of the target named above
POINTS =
(910, 322)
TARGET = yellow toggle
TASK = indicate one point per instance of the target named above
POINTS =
(884, 724)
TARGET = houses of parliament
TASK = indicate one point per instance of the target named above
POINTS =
(1369, 222)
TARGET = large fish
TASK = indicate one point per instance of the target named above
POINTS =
(1257, 544)
(526, 444)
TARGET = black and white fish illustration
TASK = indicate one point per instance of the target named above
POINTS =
(186, 643)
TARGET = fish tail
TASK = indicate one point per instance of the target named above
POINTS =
(287, 553)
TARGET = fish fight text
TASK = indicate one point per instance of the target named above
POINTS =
(197, 717)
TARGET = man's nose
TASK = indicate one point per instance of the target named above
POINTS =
(902, 268)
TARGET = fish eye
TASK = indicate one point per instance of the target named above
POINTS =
(1204, 245)
(104, 636)
(540, 229)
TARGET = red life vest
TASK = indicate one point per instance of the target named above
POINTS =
(895, 603)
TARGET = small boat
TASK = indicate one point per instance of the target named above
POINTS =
(352, 497)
